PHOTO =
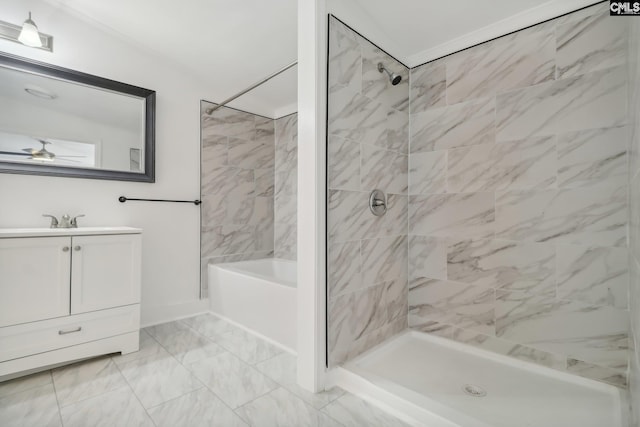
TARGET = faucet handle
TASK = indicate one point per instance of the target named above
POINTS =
(74, 220)
(54, 220)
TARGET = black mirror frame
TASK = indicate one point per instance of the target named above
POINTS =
(149, 96)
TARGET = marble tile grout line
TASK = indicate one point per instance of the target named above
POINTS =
(55, 392)
(134, 393)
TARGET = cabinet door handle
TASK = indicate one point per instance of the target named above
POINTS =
(70, 331)
(77, 248)
(65, 249)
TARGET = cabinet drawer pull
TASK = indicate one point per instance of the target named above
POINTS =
(77, 248)
(78, 329)
(65, 249)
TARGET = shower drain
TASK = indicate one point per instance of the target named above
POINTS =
(474, 390)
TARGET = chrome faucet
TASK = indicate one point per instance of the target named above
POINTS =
(65, 221)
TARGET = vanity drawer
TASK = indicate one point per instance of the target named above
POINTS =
(37, 337)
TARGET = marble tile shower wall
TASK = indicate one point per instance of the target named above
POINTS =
(237, 187)
(518, 196)
(634, 219)
(286, 187)
(367, 149)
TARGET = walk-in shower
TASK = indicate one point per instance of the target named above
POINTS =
(494, 290)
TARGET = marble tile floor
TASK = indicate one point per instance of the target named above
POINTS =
(199, 371)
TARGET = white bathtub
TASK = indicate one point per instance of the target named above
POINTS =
(259, 295)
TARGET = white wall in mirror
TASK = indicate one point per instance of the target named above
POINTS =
(42, 108)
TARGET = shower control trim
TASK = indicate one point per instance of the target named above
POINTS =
(378, 202)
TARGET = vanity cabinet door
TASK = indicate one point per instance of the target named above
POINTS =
(34, 279)
(105, 272)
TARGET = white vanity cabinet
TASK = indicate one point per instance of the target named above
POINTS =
(67, 294)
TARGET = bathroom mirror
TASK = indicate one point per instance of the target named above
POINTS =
(60, 122)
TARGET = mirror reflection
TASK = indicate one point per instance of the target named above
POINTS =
(56, 122)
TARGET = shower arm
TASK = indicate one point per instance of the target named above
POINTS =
(250, 88)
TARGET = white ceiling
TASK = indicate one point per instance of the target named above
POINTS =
(230, 45)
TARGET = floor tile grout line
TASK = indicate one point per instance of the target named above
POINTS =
(55, 393)
(135, 395)
(76, 364)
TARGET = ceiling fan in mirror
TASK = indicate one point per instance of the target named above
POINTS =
(41, 154)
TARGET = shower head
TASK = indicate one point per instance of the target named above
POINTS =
(393, 77)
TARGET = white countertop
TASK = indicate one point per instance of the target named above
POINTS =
(51, 232)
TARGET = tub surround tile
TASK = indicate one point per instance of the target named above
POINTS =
(594, 100)
(463, 124)
(580, 216)
(36, 406)
(286, 183)
(428, 172)
(524, 164)
(590, 44)
(247, 346)
(117, 407)
(200, 408)
(523, 59)
(428, 257)
(282, 369)
(343, 172)
(285, 241)
(503, 265)
(286, 208)
(222, 180)
(597, 276)
(233, 239)
(466, 306)
(291, 411)
(593, 157)
(428, 86)
(77, 382)
(214, 151)
(251, 154)
(594, 334)
(264, 182)
(508, 348)
(231, 379)
(228, 122)
(468, 215)
(240, 178)
(352, 411)
(158, 379)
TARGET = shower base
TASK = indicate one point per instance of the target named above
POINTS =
(434, 382)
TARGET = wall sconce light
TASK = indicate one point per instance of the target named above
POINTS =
(27, 34)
